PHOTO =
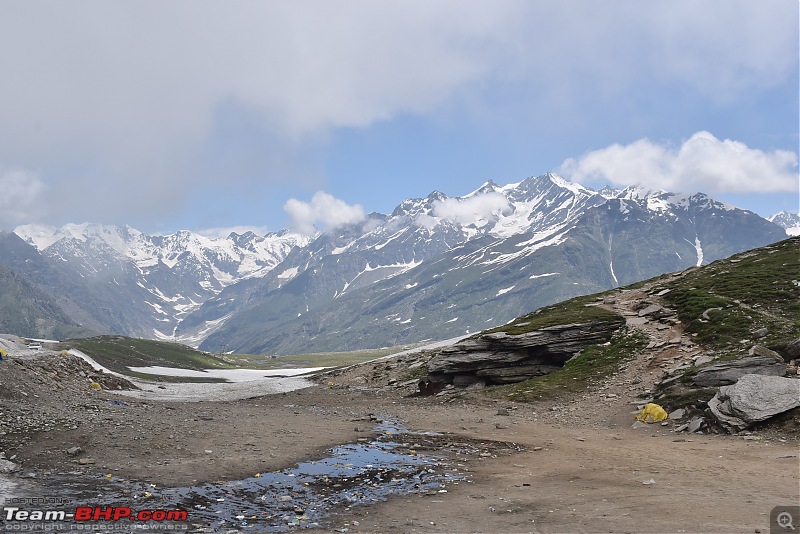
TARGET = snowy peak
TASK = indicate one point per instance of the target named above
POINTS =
(665, 203)
(155, 281)
(245, 255)
(788, 221)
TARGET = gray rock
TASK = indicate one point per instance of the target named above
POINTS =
(793, 349)
(695, 424)
(677, 414)
(760, 350)
(726, 373)
(703, 359)
(502, 358)
(8, 467)
(72, 451)
(650, 310)
(754, 398)
(465, 380)
(761, 332)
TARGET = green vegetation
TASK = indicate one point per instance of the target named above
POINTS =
(319, 359)
(755, 289)
(117, 353)
(592, 366)
(576, 310)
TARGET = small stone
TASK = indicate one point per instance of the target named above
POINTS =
(8, 467)
(653, 308)
(649, 482)
(285, 498)
(72, 451)
(503, 411)
(86, 461)
(761, 332)
(696, 424)
(501, 426)
(537, 448)
(677, 414)
(208, 451)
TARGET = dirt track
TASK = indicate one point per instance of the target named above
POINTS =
(580, 468)
(584, 478)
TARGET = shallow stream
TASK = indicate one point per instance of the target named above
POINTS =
(300, 497)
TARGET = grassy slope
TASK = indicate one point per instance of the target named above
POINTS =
(766, 281)
(117, 353)
(754, 289)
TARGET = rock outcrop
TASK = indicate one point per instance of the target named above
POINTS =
(754, 398)
(502, 358)
(726, 373)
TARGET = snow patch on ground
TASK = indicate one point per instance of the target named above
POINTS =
(503, 291)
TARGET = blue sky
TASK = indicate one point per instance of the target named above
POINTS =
(209, 116)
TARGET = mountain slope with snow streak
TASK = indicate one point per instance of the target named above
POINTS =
(440, 266)
(149, 282)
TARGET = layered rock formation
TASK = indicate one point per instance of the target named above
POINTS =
(502, 358)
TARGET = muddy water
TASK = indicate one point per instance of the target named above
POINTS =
(301, 497)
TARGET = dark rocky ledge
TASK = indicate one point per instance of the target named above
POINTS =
(502, 358)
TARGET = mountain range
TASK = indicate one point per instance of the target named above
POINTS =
(436, 267)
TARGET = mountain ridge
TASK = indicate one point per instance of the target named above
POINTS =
(494, 250)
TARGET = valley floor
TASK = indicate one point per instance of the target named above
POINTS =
(576, 472)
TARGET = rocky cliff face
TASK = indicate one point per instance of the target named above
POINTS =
(503, 358)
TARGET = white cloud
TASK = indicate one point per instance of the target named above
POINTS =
(324, 212)
(120, 98)
(701, 163)
(21, 194)
(471, 209)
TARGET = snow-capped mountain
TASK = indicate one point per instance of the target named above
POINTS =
(439, 267)
(788, 221)
(162, 278)
(436, 267)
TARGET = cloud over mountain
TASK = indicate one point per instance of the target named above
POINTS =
(324, 212)
(702, 162)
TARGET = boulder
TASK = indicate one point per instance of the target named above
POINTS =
(726, 373)
(761, 350)
(793, 349)
(502, 358)
(754, 398)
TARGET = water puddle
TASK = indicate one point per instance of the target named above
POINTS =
(304, 496)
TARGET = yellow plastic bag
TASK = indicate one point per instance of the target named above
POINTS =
(652, 413)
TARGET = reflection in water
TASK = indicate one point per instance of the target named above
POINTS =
(302, 496)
